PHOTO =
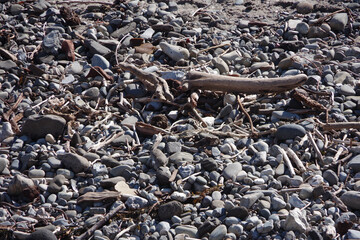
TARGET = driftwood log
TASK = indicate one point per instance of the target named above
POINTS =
(200, 80)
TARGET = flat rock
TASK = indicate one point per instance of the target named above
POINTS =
(7, 65)
(96, 48)
(74, 162)
(296, 221)
(290, 131)
(119, 33)
(38, 126)
(42, 234)
(100, 61)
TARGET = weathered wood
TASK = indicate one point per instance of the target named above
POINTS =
(199, 80)
(340, 126)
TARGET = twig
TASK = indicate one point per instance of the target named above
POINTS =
(97, 146)
(288, 163)
(88, 233)
(247, 115)
(295, 159)
(123, 232)
(217, 46)
(84, 2)
(312, 142)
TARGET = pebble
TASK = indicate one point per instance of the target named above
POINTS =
(304, 7)
(218, 233)
(338, 21)
(38, 126)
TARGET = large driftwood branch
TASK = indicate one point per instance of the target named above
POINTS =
(199, 80)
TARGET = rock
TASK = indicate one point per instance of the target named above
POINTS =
(221, 65)
(296, 221)
(124, 189)
(176, 53)
(340, 77)
(354, 163)
(38, 126)
(330, 176)
(304, 7)
(96, 48)
(3, 164)
(218, 233)
(347, 90)
(98, 60)
(22, 187)
(249, 199)
(74, 162)
(6, 131)
(56, 184)
(42, 234)
(7, 65)
(209, 164)
(124, 30)
(189, 230)
(173, 147)
(159, 158)
(239, 212)
(135, 202)
(339, 21)
(302, 28)
(352, 234)
(351, 199)
(232, 170)
(167, 210)
(180, 158)
(290, 131)
(36, 173)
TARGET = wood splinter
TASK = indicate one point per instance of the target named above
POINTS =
(199, 80)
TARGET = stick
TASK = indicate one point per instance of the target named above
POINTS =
(199, 80)
(88, 233)
(340, 126)
(295, 159)
(288, 163)
(150, 80)
(318, 153)
(97, 146)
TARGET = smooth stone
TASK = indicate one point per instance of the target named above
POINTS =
(56, 184)
(189, 230)
(36, 173)
(100, 61)
(351, 199)
(38, 126)
(354, 164)
(218, 233)
(221, 65)
(352, 234)
(135, 202)
(119, 33)
(7, 65)
(304, 7)
(3, 164)
(347, 90)
(173, 147)
(176, 53)
(330, 176)
(74, 162)
(302, 28)
(239, 212)
(290, 131)
(339, 21)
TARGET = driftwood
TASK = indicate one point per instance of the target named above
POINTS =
(199, 80)
(340, 126)
(150, 81)
(91, 197)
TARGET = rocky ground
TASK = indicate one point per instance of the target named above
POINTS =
(101, 138)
